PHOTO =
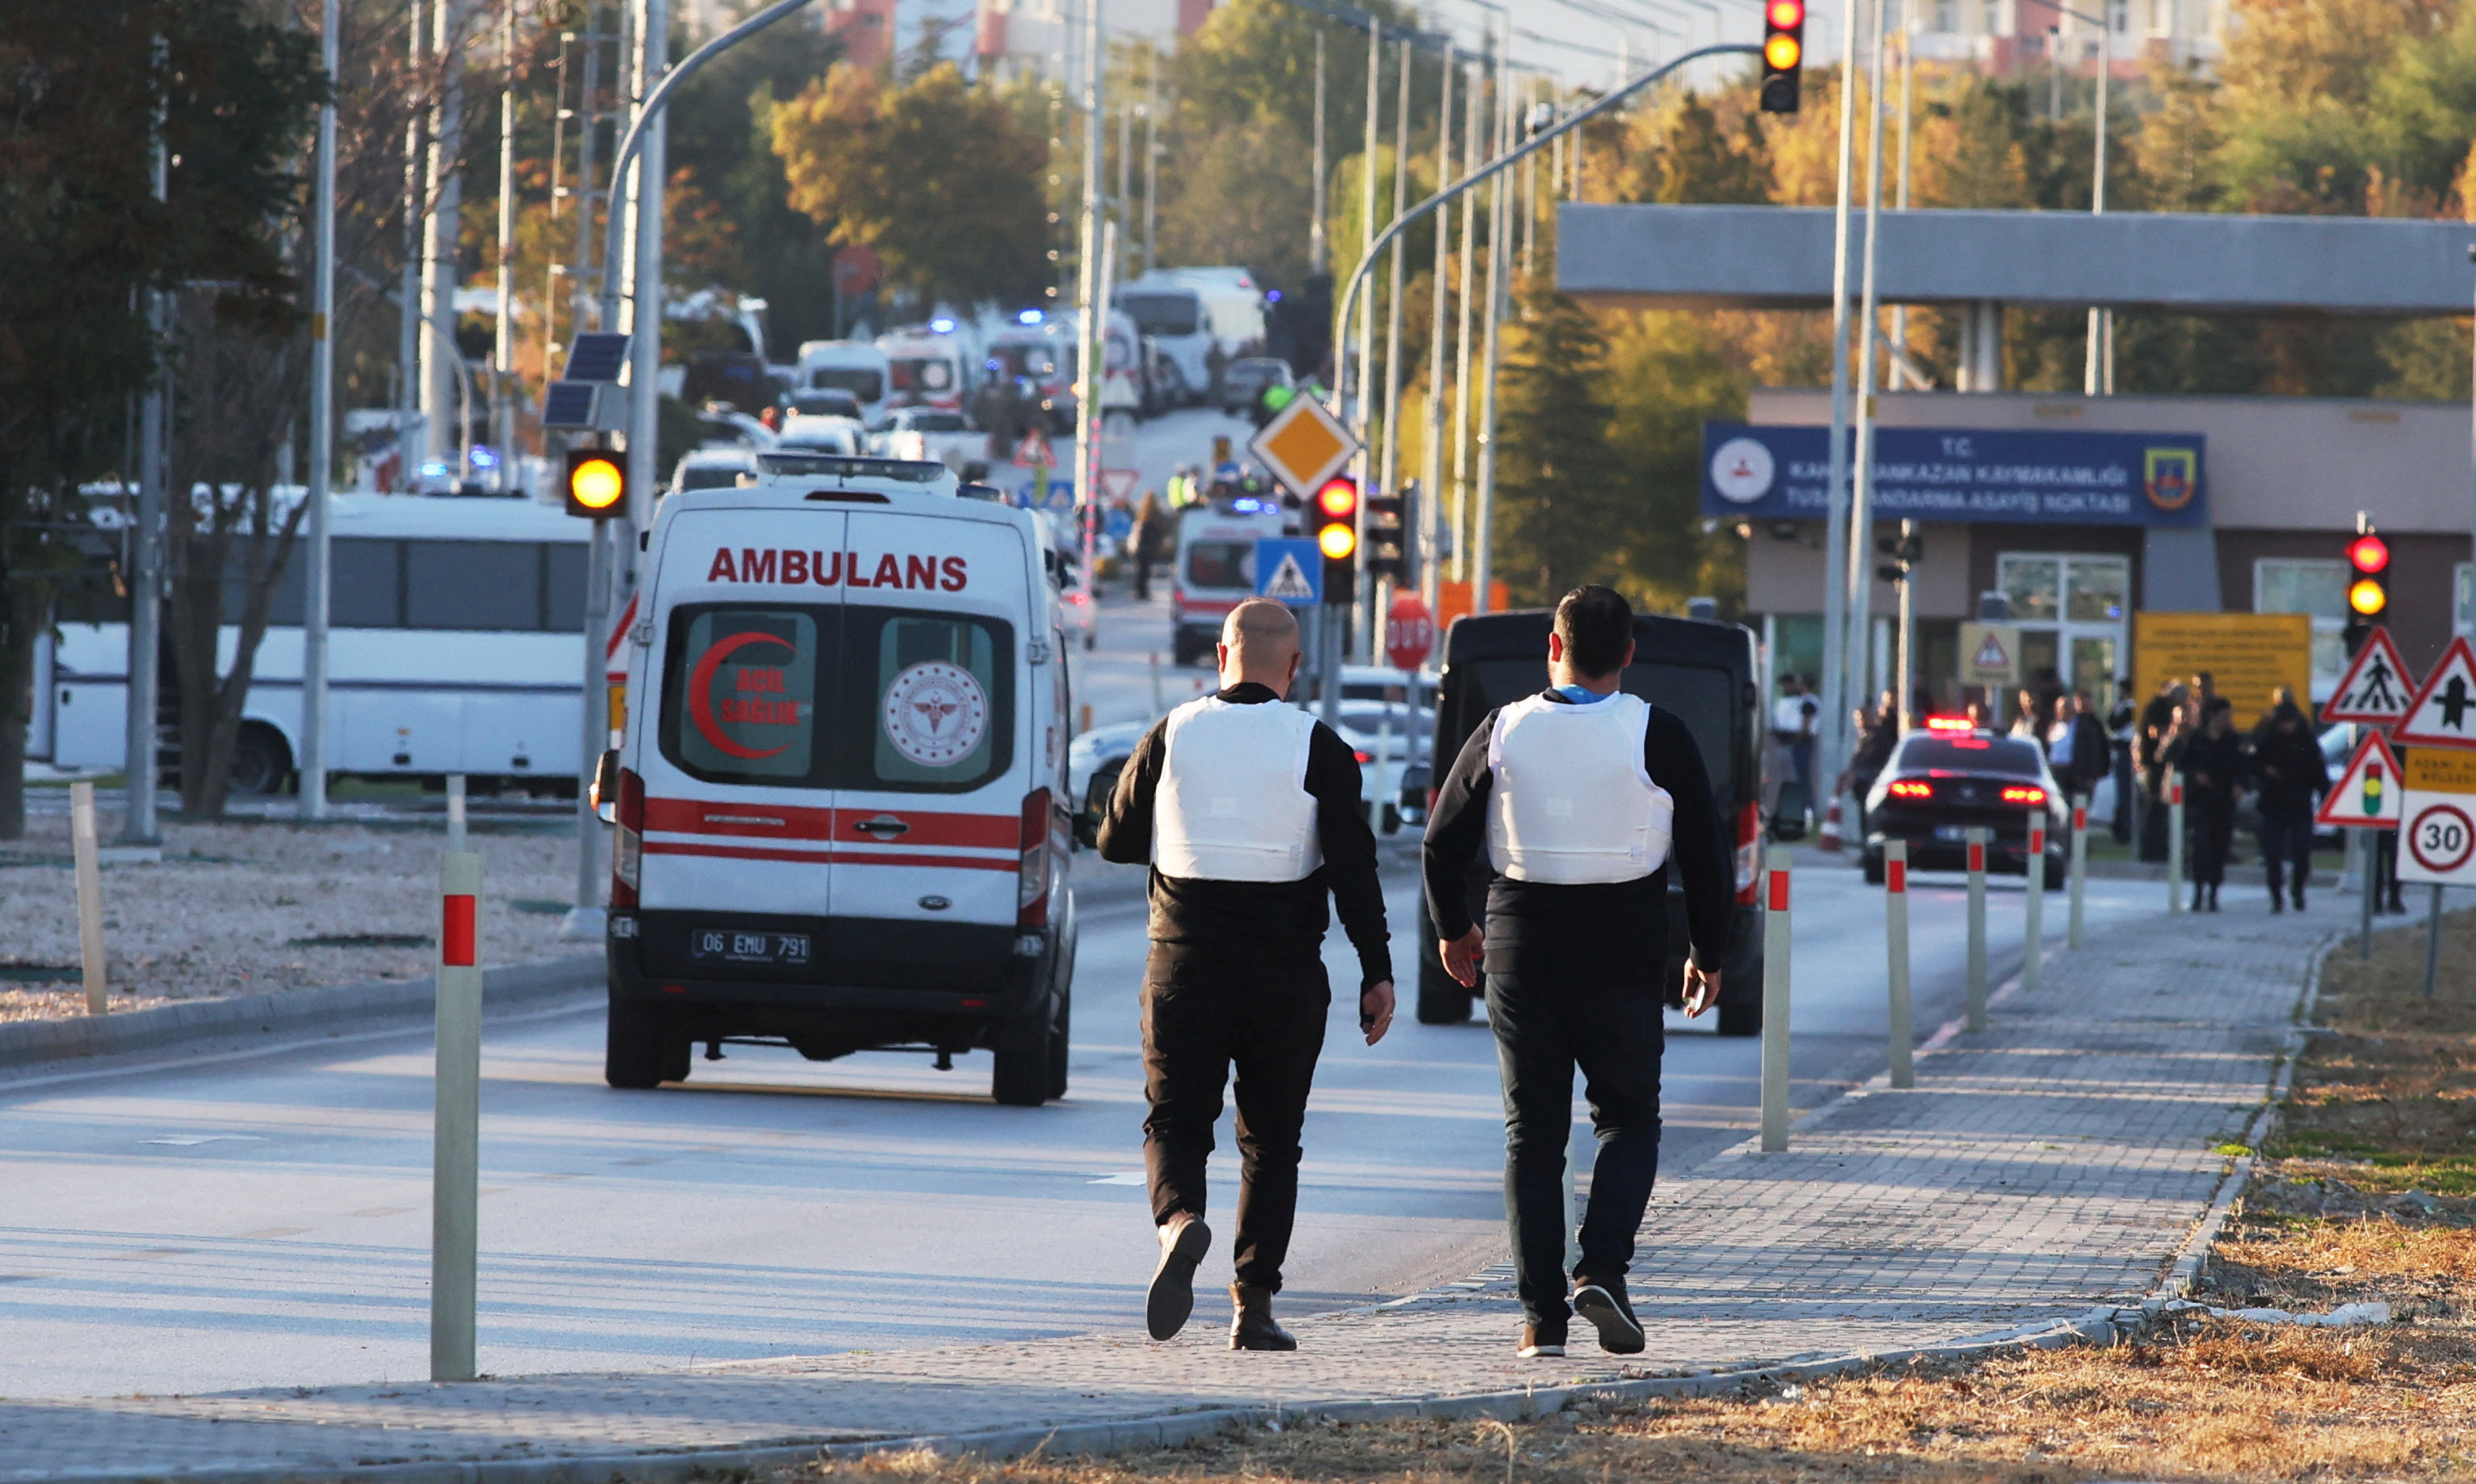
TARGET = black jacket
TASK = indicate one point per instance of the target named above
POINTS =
(1608, 932)
(2093, 755)
(2289, 769)
(1279, 924)
(2212, 767)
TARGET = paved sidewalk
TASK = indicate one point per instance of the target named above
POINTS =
(2056, 1163)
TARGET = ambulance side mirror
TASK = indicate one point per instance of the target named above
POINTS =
(606, 788)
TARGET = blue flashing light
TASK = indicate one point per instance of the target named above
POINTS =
(1245, 505)
(942, 325)
(434, 469)
(484, 458)
(1029, 317)
(1272, 296)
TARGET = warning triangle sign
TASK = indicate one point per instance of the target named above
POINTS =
(1033, 452)
(1290, 582)
(1990, 654)
(2443, 713)
(2376, 689)
(2366, 793)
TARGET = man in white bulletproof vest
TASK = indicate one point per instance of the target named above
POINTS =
(1585, 797)
(1248, 810)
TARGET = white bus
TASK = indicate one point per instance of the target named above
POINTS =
(855, 366)
(1173, 315)
(452, 648)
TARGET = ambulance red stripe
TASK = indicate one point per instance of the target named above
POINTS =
(839, 857)
(779, 822)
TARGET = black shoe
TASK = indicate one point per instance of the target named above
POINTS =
(1539, 1340)
(1250, 1321)
(2299, 895)
(1604, 1303)
(2277, 902)
(1184, 1243)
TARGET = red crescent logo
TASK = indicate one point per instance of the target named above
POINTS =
(701, 702)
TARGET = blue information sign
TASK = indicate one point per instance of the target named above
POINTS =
(1289, 570)
(1964, 474)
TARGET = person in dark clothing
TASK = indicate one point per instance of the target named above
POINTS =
(1879, 735)
(2077, 748)
(2157, 723)
(1249, 812)
(1145, 542)
(2211, 762)
(2287, 769)
(1583, 797)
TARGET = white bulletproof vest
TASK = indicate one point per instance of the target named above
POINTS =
(1232, 805)
(1570, 803)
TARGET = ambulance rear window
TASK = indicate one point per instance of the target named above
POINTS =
(739, 705)
(940, 703)
(1221, 564)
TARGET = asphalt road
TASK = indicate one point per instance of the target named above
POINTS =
(228, 1219)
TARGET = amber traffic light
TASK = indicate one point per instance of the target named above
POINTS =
(596, 484)
(1336, 535)
(1783, 54)
(2368, 592)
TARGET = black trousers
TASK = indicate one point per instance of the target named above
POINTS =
(2210, 825)
(2286, 840)
(1201, 1018)
(1546, 1026)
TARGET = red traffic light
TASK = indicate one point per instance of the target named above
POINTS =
(1337, 499)
(1785, 15)
(2368, 552)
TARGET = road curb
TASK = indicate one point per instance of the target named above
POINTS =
(26, 1042)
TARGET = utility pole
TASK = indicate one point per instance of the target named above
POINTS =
(1362, 612)
(1859, 574)
(411, 452)
(1471, 155)
(1389, 480)
(503, 348)
(652, 59)
(1835, 547)
(1151, 155)
(137, 825)
(319, 564)
(1094, 336)
(1908, 89)
(1315, 253)
(441, 361)
(1499, 268)
(1431, 476)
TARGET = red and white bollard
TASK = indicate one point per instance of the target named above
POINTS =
(1830, 839)
(2034, 914)
(1895, 942)
(2079, 869)
(455, 1126)
(1976, 836)
(2174, 843)
(1775, 1004)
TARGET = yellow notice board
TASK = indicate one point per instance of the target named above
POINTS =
(2248, 654)
(2441, 770)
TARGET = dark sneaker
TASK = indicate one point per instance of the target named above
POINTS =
(1604, 1303)
(1538, 1340)
(1184, 1240)
(1250, 1321)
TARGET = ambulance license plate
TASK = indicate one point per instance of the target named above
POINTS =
(746, 946)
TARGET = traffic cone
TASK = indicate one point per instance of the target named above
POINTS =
(1830, 840)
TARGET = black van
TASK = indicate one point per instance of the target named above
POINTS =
(1701, 671)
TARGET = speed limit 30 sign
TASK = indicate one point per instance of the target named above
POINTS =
(2438, 817)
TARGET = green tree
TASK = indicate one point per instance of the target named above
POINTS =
(937, 177)
(1562, 495)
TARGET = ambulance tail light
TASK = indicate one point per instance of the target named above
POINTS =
(627, 851)
(1749, 852)
(1031, 878)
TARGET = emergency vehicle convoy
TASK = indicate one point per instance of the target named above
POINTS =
(839, 793)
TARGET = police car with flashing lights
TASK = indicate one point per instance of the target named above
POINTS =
(839, 791)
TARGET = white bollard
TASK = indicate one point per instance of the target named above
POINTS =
(88, 850)
(2079, 873)
(1976, 837)
(2033, 931)
(456, 1129)
(1895, 940)
(2174, 843)
(455, 813)
(1775, 1005)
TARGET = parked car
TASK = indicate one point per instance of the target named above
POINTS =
(1948, 778)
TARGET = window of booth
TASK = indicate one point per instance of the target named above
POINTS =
(2314, 585)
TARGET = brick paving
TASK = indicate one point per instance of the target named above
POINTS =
(2055, 1163)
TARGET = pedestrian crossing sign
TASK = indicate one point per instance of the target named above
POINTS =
(1289, 570)
(2366, 793)
(2443, 713)
(2376, 689)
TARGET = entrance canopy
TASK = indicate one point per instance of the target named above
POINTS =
(1767, 256)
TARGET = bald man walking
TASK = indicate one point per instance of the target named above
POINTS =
(1249, 812)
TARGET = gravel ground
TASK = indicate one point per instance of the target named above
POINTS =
(241, 908)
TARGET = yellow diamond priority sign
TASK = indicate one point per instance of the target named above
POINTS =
(1303, 446)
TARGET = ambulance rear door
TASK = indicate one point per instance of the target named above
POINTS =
(939, 752)
(738, 758)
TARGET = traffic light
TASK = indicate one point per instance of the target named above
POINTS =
(1388, 542)
(2368, 585)
(596, 484)
(1336, 535)
(1783, 54)
(1905, 550)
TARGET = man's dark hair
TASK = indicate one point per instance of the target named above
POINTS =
(1596, 623)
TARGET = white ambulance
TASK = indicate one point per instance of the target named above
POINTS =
(840, 790)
